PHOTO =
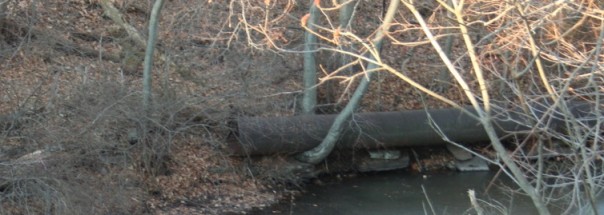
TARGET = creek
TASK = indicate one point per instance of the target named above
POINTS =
(403, 192)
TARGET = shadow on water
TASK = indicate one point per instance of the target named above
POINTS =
(400, 192)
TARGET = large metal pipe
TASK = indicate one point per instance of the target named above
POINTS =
(269, 135)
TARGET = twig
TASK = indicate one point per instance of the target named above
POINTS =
(428, 200)
(475, 205)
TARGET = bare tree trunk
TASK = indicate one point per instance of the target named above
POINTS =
(149, 53)
(309, 101)
(3, 12)
(319, 153)
(444, 77)
(346, 12)
(3, 8)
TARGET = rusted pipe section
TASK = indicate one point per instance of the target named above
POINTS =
(288, 135)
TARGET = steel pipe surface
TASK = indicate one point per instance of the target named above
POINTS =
(295, 134)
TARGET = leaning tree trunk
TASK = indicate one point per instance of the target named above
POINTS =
(319, 153)
(309, 101)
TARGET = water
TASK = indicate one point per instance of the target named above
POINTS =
(401, 193)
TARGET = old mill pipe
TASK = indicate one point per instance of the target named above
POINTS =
(294, 134)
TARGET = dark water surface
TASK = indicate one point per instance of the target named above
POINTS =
(401, 193)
